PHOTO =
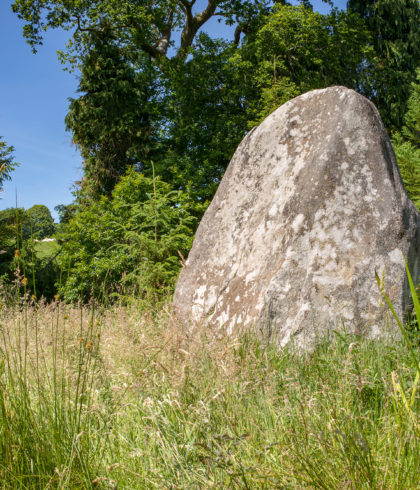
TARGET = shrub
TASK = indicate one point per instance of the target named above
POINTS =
(131, 243)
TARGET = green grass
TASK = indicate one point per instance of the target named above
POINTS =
(46, 249)
(118, 399)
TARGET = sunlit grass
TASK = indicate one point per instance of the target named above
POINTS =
(120, 399)
(46, 250)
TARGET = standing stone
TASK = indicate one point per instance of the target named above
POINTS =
(311, 205)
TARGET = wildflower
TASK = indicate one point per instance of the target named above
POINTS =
(24, 281)
(17, 254)
(89, 345)
(56, 297)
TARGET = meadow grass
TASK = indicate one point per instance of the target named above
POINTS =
(122, 398)
(46, 250)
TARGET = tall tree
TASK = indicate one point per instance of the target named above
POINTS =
(395, 34)
(199, 110)
(296, 50)
(112, 121)
(38, 222)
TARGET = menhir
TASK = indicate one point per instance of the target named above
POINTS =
(311, 205)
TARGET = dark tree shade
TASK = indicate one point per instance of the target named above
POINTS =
(111, 120)
(394, 27)
(407, 145)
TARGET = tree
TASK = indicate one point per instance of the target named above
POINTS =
(7, 164)
(395, 36)
(10, 224)
(407, 145)
(206, 118)
(65, 212)
(124, 50)
(296, 50)
(38, 223)
(112, 121)
(185, 104)
(150, 27)
(186, 114)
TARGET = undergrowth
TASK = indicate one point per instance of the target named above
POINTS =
(111, 398)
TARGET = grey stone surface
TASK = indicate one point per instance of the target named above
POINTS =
(311, 205)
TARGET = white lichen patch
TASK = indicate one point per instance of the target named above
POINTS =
(396, 256)
(298, 223)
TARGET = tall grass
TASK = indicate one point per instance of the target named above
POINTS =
(113, 398)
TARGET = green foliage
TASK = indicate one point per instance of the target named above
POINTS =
(222, 90)
(408, 157)
(7, 164)
(205, 112)
(11, 221)
(296, 50)
(38, 222)
(130, 242)
(407, 145)
(112, 122)
(411, 129)
(395, 35)
(150, 27)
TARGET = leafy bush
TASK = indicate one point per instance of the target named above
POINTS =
(131, 243)
(407, 145)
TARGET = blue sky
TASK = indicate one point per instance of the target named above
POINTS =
(34, 92)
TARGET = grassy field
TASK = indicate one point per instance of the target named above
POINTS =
(120, 398)
(46, 249)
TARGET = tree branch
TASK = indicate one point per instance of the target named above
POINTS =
(193, 24)
(237, 35)
(163, 43)
(85, 29)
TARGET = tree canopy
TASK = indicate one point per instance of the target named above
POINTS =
(38, 222)
(187, 118)
(112, 120)
(395, 37)
(157, 27)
